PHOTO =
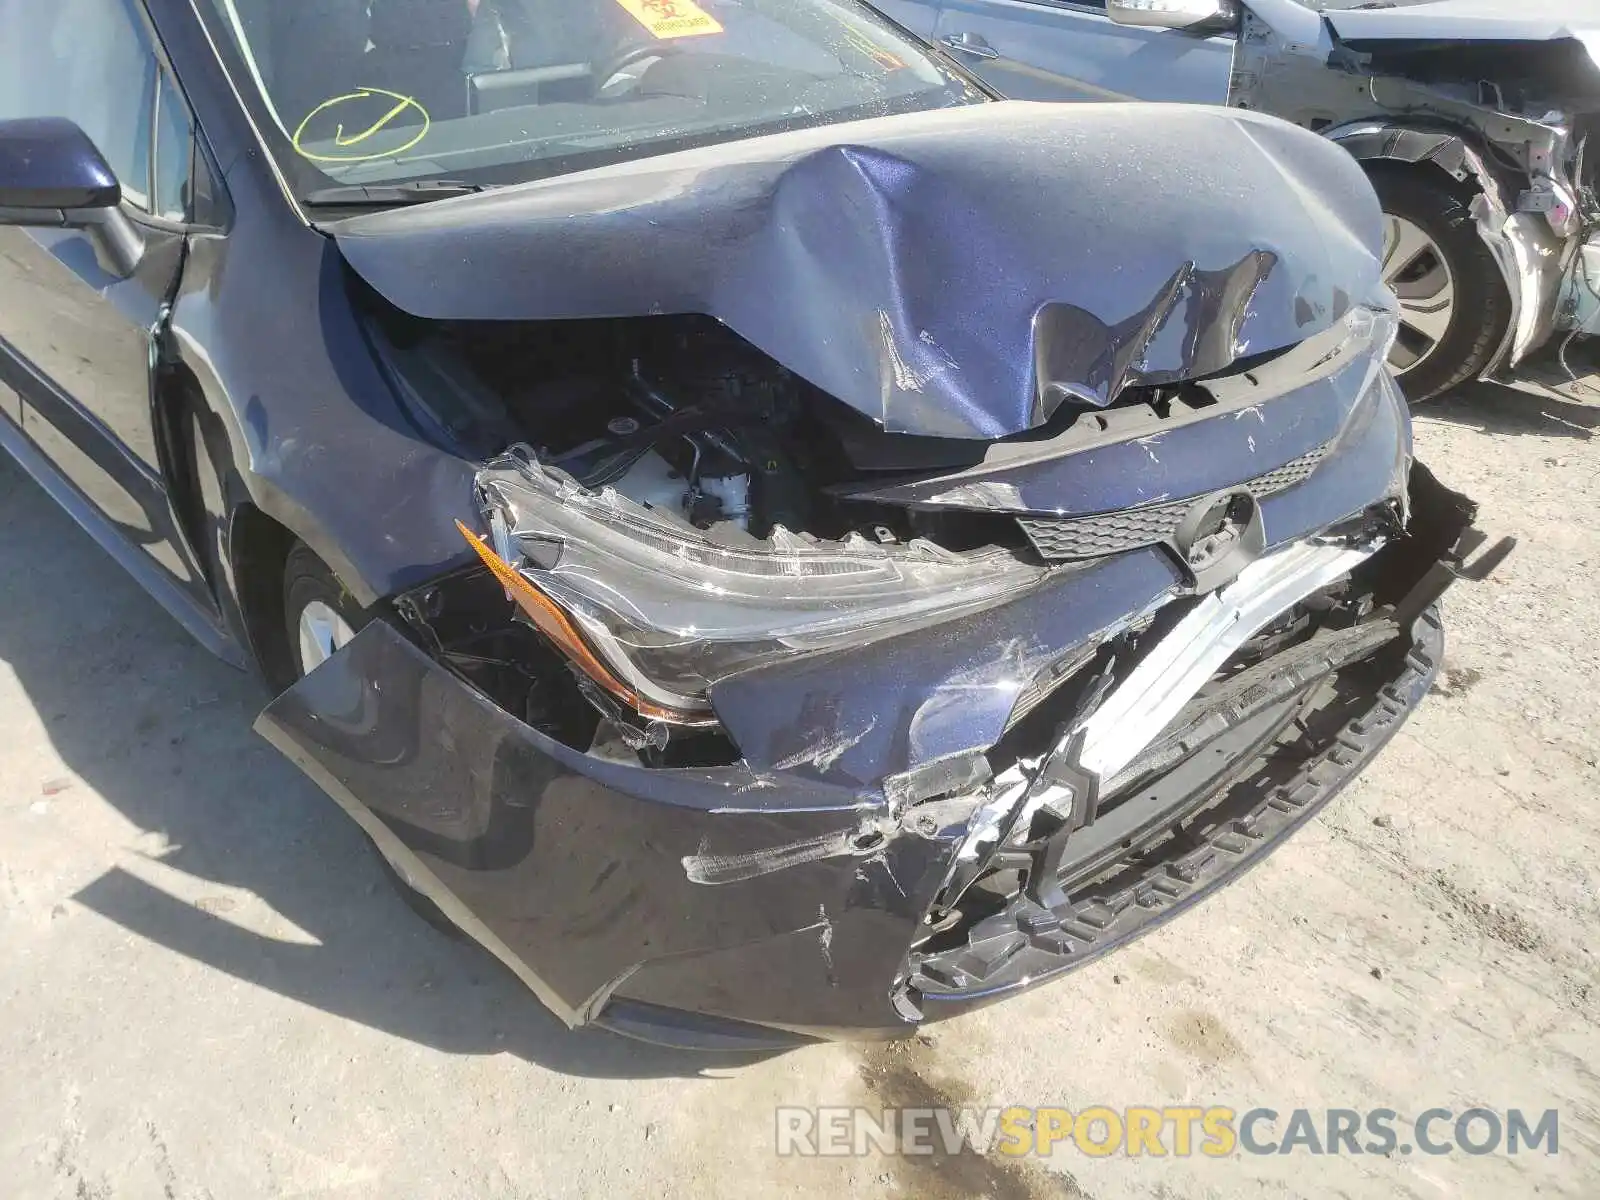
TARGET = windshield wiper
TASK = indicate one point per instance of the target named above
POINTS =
(414, 191)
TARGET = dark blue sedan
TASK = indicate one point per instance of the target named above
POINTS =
(766, 538)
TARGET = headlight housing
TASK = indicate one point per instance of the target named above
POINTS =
(656, 612)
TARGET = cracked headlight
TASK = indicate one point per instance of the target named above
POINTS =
(656, 612)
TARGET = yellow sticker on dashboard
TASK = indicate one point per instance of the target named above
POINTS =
(672, 18)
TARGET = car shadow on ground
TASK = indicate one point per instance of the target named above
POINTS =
(160, 730)
(1491, 408)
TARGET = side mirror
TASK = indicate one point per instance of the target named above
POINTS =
(1174, 14)
(51, 173)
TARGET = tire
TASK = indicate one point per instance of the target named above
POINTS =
(210, 505)
(309, 584)
(1480, 307)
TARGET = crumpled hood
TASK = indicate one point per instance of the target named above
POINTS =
(1472, 20)
(956, 273)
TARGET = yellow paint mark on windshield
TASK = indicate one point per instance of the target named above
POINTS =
(672, 18)
(867, 46)
(402, 105)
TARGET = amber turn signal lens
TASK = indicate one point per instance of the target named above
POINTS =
(548, 617)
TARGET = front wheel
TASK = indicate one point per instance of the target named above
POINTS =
(320, 615)
(320, 618)
(1453, 302)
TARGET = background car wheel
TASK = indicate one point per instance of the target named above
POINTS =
(320, 617)
(1453, 301)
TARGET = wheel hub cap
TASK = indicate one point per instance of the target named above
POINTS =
(1415, 269)
(322, 632)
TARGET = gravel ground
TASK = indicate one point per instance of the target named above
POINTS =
(208, 990)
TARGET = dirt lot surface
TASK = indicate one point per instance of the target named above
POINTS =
(208, 989)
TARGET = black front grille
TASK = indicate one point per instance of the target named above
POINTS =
(1062, 540)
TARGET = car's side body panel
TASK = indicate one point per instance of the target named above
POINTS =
(293, 384)
(919, 16)
(1063, 50)
(199, 618)
(79, 344)
(304, 404)
(1381, 116)
(10, 403)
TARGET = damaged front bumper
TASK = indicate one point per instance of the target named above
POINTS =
(745, 905)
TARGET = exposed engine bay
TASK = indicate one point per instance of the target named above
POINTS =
(693, 425)
(685, 418)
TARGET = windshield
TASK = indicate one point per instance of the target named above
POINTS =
(495, 91)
